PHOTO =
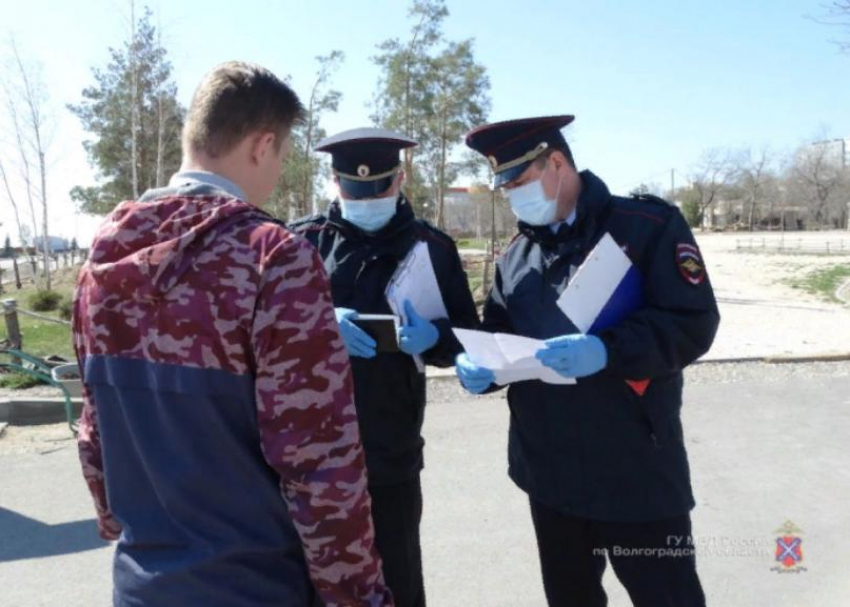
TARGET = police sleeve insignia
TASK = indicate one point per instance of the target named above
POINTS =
(690, 263)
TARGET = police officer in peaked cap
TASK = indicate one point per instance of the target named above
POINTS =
(367, 231)
(602, 460)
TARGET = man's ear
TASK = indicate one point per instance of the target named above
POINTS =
(262, 146)
(558, 160)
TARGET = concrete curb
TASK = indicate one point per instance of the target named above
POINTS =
(35, 411)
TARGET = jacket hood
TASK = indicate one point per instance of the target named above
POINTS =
(144, 247)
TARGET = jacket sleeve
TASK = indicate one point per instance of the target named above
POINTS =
(495, 316)
(454, 287)
(679, 319)
(88, 432)
(308, 427)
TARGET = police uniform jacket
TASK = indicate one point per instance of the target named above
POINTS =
(599, 449)
(389, 390)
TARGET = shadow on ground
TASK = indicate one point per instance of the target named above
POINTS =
(26, 538)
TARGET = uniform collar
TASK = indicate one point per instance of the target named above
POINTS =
(568, 221)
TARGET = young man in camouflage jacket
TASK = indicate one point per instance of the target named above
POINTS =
(219, 436)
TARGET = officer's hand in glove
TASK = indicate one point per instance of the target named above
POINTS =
(474, 378)
(418, 334)
(357, 341)
(574, 355)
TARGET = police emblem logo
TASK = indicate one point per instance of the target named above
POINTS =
(363, 170)
(690, 263)
(789, 549)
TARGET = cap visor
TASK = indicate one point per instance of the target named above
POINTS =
(356, 190)
(503, 178)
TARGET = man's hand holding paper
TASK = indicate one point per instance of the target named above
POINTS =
(474, 378)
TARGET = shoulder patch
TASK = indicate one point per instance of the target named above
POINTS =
(690, 263)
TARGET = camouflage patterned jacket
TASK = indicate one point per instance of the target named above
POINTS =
(216, 384)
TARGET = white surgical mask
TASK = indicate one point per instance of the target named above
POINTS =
(530, 205)
(369, 215)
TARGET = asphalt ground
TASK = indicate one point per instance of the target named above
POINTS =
(767, 444)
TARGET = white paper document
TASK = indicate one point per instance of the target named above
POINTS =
(414, 279)
(594, 282)
(510, 357)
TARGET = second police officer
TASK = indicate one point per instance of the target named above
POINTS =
(367, 231)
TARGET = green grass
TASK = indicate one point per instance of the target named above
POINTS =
(475, 281)
(18, 381)
(471, 243)
(823, 282)
(42, 338)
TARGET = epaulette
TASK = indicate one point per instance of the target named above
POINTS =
(652, 198)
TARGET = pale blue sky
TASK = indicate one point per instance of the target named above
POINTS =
(652, 83)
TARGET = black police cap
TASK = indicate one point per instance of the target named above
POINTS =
(511, 146)
(366, 159)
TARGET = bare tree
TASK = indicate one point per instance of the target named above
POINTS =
(11, 101)
(160, 122)
(709, 179)
(838, 15)
(754, 175)
(819, 178)
(26, 103)
(10, 196)
(320, 101)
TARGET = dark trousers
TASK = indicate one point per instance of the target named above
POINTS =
(572, 559)
(397, 512)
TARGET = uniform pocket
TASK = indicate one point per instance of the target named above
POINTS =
(660, 408)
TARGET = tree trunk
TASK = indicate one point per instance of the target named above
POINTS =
(160, 142)
(134, 101)
(160, 130)
(441, 176)
(752, 218)
(17, 270)
(307, 192)
(43, 170)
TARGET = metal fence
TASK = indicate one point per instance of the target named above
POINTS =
(805, 246)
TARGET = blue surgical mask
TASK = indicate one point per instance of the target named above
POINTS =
(530, 205)
(369, 215)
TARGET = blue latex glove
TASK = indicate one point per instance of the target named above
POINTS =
(357, 341)
(574, 355)
(474, 378)
(418, 334)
